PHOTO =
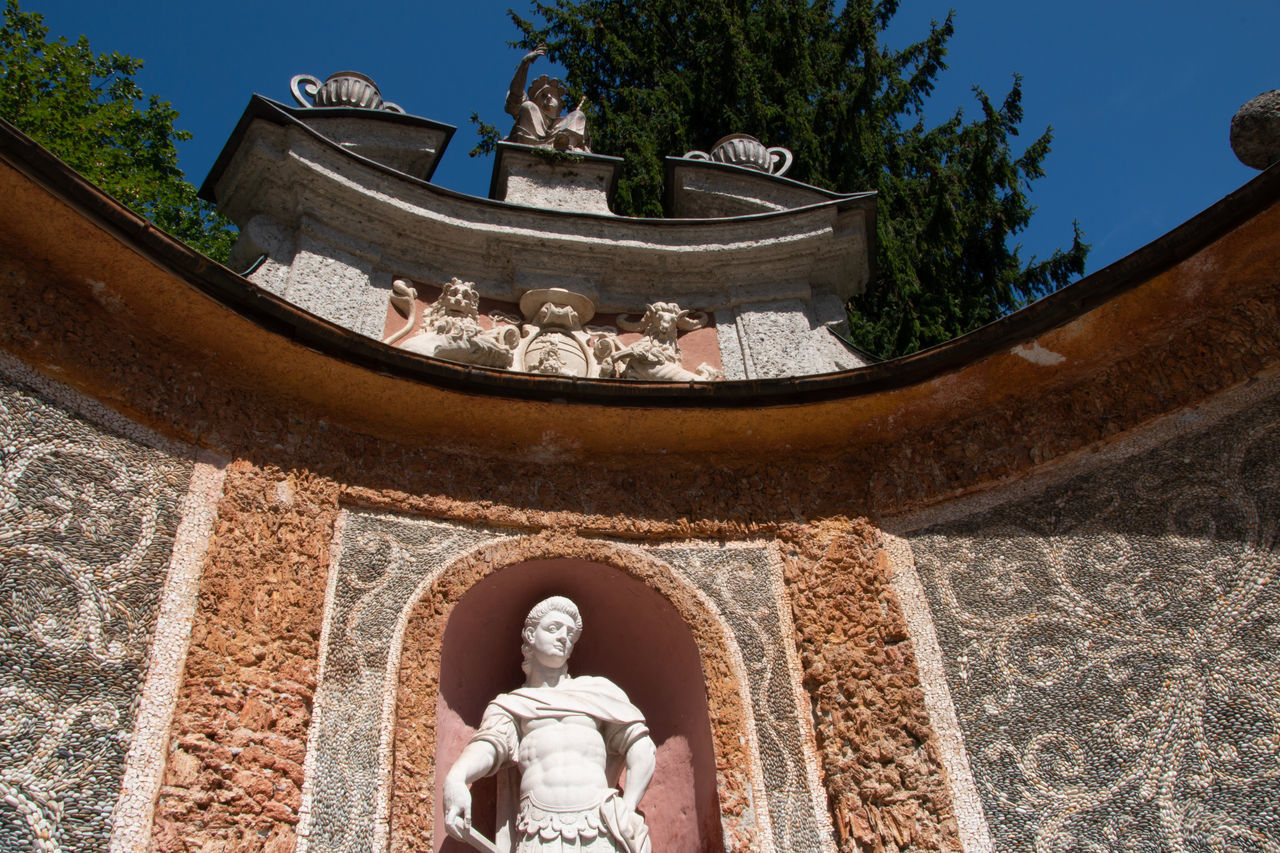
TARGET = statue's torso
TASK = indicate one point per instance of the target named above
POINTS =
(562, 761)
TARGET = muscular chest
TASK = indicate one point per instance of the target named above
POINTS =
(568, 735)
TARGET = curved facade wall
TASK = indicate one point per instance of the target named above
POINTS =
(1013, 593)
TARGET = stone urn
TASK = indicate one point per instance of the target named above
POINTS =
(344, 89)
(740, 149)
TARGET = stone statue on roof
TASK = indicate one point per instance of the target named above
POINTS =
(537, 111)
(568, 738)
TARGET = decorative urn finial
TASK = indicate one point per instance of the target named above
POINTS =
(740, 149)
(343, 89)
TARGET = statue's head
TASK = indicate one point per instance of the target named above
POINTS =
(663, 317)
(548, 93)
(661, 321)
(550, 631)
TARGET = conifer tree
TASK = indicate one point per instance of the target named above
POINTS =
(667, 76)
(89, 111)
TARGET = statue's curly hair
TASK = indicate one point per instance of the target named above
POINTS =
(554, 604)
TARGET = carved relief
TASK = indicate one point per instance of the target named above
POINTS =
(656, 356)
(451, 329)
(554, 341)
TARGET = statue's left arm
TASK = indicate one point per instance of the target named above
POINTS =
(641, 761)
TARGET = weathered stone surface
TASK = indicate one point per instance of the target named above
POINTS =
(407, 148)
(240, 728)
(554, 180)
(783, 338)
(701, 190)
(885, 785)
(1255, 131)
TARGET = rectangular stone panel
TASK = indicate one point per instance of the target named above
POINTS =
(87, 522)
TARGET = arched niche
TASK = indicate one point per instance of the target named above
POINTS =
(633, 635)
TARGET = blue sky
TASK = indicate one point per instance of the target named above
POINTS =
(1140, 93)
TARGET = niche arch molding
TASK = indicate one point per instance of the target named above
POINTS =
(419, 727)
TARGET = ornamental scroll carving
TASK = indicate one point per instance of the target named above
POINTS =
(553, 339)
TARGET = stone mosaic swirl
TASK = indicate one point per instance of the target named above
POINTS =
(384, 560)
(1112, 646)
(87, 520)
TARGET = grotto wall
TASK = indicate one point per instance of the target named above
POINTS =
(908, 586)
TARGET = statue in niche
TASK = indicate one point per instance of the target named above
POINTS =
(554, 341)
(568, 736)
(656, 356)
(451, 328)
(537, 112)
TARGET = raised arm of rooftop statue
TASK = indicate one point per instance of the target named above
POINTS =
(515, 95)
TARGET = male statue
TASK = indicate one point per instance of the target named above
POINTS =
(537, 113)
(568, 736)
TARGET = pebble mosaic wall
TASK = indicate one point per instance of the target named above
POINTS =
(385, 558)
(1112, 647)
(384, 561)
(87, 521)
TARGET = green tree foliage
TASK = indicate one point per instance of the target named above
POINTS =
(89, 111)
(667, 76)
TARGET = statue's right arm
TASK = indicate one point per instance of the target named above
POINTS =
(515, 95)
(478, 759)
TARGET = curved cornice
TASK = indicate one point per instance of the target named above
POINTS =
(275, 164)
(1122, 313)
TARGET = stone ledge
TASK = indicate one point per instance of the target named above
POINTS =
(558, 180)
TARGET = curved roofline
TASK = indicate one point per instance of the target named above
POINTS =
(263, 108)
(670, 164)
(274, 315)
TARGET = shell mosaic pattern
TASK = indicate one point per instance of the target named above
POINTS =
(1112, 646)
(87, 521)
